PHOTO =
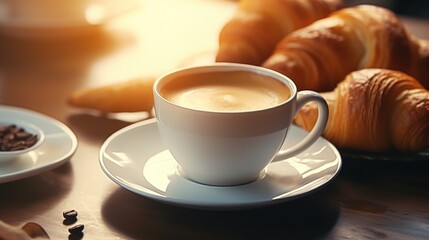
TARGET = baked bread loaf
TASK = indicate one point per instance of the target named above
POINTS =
(375, 110)
(258, 25)
(320, 55)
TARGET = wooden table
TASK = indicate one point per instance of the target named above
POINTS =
(368, 200)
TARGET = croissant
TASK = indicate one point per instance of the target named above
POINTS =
(129, 96)
(375, 110)
(320, 55)
(258, 25)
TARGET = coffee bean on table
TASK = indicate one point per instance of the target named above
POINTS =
(76, 229)
(70, 214)
(70, 217)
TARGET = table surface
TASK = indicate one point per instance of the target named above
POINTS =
(368, 200)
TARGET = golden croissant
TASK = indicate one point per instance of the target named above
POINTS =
(320, 55)
(375, 110)
(258, 25)
(129, 96)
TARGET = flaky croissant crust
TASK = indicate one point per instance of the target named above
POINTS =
(320, 55)
(258, 25)
(375, 110)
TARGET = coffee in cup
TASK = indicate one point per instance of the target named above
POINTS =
(226, 91)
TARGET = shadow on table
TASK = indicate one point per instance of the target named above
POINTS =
(18, 196)
(389, 176)
(137, 217)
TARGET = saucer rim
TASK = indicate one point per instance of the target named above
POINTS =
(188, 203)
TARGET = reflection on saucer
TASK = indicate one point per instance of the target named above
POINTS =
(280, 180)
(23, 161)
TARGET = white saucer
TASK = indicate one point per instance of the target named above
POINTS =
(136, 159)
(59, 145)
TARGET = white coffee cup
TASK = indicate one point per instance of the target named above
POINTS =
(230, 141)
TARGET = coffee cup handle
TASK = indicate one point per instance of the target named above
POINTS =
(304, 97)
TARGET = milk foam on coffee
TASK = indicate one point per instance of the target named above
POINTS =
(226, 91)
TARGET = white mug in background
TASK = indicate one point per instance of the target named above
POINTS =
(225, 122)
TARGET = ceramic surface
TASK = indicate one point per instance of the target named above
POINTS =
(136, 159)
(58, 146)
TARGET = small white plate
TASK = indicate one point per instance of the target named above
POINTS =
(52, 18)
(136, 159)
(59, 145)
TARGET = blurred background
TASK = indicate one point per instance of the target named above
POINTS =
(412, 8)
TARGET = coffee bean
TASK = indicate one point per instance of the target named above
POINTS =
(31, 140)
(78, 229)
(70, 214)
(22, 135)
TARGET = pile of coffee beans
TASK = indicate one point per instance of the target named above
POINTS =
(13, 138)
